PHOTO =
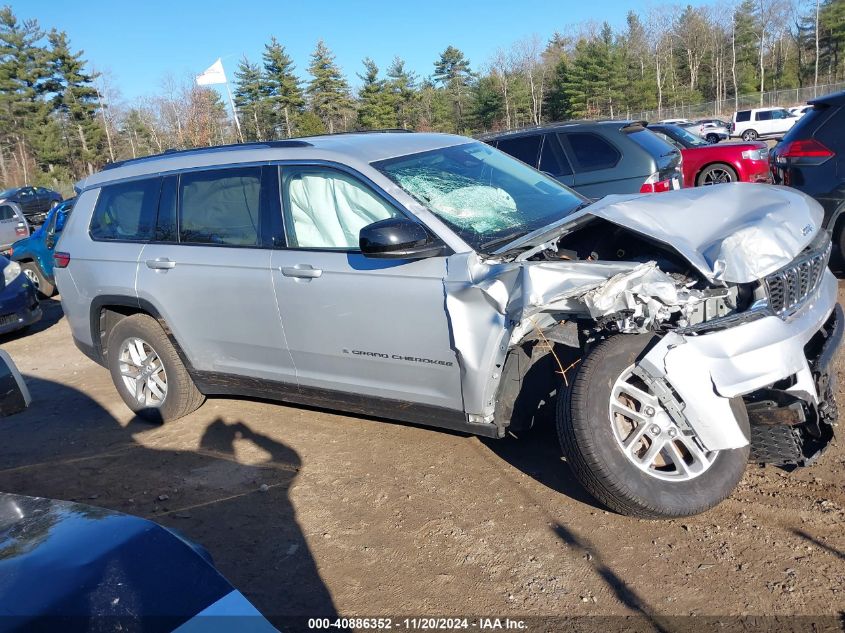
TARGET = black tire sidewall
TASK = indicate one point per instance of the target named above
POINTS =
(637, 492)
(749, 135)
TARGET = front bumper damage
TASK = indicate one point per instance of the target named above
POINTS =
(786, 359)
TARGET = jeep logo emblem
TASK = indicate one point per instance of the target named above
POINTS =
(807, 229)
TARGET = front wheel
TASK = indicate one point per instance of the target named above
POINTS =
(749, 135)
(147, 371)
(716, 174)
(624, 448)
(42, 285)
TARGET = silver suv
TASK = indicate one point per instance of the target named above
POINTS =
(433, 279)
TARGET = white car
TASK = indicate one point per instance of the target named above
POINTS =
(674, 121)
(800, 111)
(760, 122)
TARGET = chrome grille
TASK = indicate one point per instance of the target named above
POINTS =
(789, 287)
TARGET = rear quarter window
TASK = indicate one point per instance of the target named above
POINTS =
(524, 148)
(126, 211)
(590, 152)
(651, 143)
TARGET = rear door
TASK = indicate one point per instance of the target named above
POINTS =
(207, 271)
(364, 326)
(553, 160)
(594, 160)
(525, 147)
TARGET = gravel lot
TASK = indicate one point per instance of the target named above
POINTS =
(310, 513)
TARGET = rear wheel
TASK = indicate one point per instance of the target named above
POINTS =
(147, 371)
(626, 450)
(716, 174)
(749, 135)
(37, 279)
(712, 138)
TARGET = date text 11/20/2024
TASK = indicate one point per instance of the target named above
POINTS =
(418, 624)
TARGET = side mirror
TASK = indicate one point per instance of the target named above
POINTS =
(398, 238)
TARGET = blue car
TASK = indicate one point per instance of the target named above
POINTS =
(35, 253)
(18, 299)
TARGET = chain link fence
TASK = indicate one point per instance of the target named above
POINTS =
(726, 107)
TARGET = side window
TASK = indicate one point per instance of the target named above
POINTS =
(326, 208)
(763, 115)
(743, 115)
(126, 211)
(220, 206)
(590, 151)
(551, 159)
(668, 139)
(524, 148)
(7, 213)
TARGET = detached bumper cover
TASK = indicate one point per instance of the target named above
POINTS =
(742, 359)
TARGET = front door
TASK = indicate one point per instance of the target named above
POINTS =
(208, 272)
(375, 327)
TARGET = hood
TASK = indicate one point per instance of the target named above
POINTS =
(734, 232)
(68, 561)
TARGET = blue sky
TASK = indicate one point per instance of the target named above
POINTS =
(140, 42)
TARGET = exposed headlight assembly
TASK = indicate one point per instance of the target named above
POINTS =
(11, 272)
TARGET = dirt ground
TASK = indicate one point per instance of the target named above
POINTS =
(312, 513)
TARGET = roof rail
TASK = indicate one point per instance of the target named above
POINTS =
(553, 124)
(207, 150)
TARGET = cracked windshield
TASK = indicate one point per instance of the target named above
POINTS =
(486, 197)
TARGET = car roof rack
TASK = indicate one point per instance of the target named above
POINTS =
(288, 143)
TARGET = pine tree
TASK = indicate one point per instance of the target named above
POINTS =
(23, 112)
(452, 72)
(283, 88)
(403, 87)
(328, 90)
(252, 100)
(75, 102)
(375, 102)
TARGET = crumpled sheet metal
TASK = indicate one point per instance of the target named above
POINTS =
(733, 232)
(501, 296)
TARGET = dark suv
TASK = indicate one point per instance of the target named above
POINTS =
(811, 158)
(597, 158)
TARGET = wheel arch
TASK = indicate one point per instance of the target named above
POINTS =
(108, 310)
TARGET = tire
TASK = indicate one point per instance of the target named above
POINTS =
(715, 174)
(180, 394)
(37, 279)
(712, 138)
(749, 135)
(596, 457)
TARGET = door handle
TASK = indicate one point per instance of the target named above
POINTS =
(161, 263)
(301, 271)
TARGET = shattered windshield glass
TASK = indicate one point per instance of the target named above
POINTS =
(485, 196)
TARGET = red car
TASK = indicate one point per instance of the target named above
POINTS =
(706, 164)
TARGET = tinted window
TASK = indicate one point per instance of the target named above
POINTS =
(325, 208)
(7, 212)
(166, 225)
(524, 148)
(551, 161)
(220, 206)
(651, 143)
(763, 115)
(126, 211)
(743, 115)
(591, 152)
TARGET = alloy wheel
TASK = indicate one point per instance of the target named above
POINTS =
(649, 438)
(717, 175)
(143, 372)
